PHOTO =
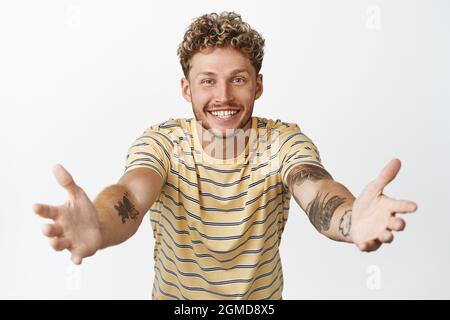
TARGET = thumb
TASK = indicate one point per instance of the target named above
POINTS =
(64, 179)
(388, 173)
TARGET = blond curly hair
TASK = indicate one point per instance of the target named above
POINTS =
(226, 29)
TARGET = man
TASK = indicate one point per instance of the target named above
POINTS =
(218, 187)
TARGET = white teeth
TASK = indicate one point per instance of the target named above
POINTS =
(224, 114)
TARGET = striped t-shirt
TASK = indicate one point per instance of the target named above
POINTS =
(218, 223)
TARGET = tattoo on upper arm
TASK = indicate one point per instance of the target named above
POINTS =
(346, 223)
(126, 209)
(304, 172)
(321, 210)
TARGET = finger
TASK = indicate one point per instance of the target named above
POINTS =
(403, 206)
(362, 246)
(45, 211)
(52, 230)
(388, 173)
(370, 245)
(59, 244)
(76, 259)
(386, 236)
(396, 224)
(64, 179)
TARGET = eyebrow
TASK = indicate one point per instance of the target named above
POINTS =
(210, 73)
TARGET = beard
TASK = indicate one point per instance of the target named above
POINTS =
(201, 116)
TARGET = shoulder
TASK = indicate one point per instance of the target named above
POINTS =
(278, 125)
(170, 127)
(166, 133)
(279, 130)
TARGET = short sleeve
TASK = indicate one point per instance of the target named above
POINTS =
(296, 148)
(151, 150)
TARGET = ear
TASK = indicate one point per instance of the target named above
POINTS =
(259, 86)
(186, 90)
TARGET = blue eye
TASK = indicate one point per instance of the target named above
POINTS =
(207, 81)
(239, 80)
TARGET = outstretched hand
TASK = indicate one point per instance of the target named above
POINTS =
(374, 215)
(75, 224)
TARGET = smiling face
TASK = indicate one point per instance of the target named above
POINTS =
(222, 87)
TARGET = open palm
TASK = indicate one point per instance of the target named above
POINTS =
(374, 214)
(75, 224)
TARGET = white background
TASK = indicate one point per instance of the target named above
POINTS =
(366, 81)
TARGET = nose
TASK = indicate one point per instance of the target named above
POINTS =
(223, 93)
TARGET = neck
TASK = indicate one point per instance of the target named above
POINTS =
(224, 147)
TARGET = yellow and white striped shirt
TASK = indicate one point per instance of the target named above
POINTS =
(218, 223)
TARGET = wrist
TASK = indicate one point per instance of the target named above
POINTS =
(345, 224)
(101, 234)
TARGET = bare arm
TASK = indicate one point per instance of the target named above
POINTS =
(122, 207)
(327, 203)
(83, 227)
(367, 221)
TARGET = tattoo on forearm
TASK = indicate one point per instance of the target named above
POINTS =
(126, 209)
(306, 172)
(346, 223)
(320, 211)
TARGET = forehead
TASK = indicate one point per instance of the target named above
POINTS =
(219, 60)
